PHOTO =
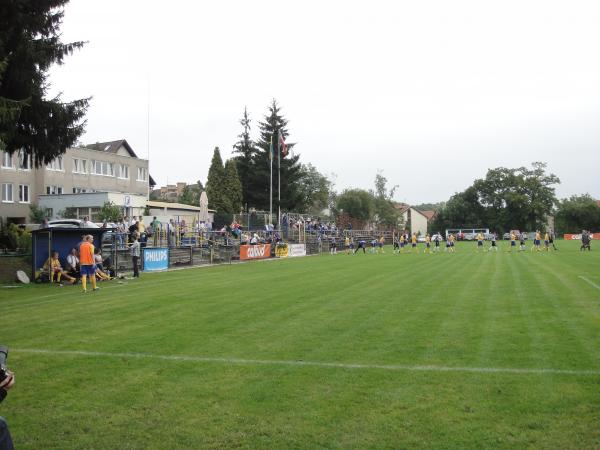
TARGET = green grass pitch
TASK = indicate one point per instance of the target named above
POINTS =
(366, 351)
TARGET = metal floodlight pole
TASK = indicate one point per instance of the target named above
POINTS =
(270, 196)
(278, 182)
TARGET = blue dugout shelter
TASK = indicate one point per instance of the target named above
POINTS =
(60, 239)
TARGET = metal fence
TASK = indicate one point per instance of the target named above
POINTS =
(194, 248)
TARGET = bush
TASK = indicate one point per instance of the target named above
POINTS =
(18, 239)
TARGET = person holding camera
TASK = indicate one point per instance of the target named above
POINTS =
(7, 381)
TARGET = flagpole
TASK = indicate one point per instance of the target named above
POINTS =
(279, 181)
(271, 191)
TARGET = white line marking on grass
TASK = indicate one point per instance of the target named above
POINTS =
(590, 282)
(300, 363)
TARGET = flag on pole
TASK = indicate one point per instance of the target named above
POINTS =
(282, 145)
(271, 152)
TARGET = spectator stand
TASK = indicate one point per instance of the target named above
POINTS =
(60, 239)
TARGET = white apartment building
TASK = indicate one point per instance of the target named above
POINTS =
(107, 167)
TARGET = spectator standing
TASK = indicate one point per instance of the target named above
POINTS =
(135, 255)
(87, 223)
(155, 229)
(133, 229)
(142, 231)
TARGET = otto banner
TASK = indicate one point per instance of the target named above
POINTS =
(577, 237)
(296, 250)
(255, 251)
(155, 259)
(281, 251)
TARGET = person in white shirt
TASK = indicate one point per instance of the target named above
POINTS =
(87, 223)
(72, 262)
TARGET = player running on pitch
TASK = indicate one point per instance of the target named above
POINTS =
(413, 241)
(361, 244)
(522, 242)
(479, 239)
(396, 242)
(381, 244)
(333, 246)
(436, 239)
(537, 242)
(493, 244)
(347, 244)
(427, 244)
(513, 241)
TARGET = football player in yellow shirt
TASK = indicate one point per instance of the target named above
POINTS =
(479, 242)
(427, 244)
(413, 241)
(537, 241)
(513, 241)
(452, 238)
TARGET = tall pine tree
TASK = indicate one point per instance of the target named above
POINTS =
(291, 197)
(245, 150)
(215, 183)
(29, 45)
(232, 188)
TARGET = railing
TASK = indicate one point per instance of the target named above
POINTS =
(192, 248)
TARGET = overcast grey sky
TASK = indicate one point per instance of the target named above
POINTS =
(433, 93)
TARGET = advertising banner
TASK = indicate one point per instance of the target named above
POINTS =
(281, 251)
(577, 237)
(155, 259)
(255, 251)
(296, 250)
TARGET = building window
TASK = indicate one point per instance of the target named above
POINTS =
(142, 174)
(56, 164)
(7, 192)
(24, 193)
(79, 165)
(123, 171)
(24, 160)
(95, 214)
(54, 190)
(7, 161)
(78, 190)
(103, 168)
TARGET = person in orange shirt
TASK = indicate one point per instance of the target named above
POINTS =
(86, 262)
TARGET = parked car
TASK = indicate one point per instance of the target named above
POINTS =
(421, 238)
(70, 223)
(517, 233)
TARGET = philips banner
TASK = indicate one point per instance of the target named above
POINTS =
(296, 250)
(155, 259)
(255, 251)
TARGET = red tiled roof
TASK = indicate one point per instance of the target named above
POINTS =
(429, 214)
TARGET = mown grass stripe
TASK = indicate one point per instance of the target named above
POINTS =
(590, 282)
(299, 363)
